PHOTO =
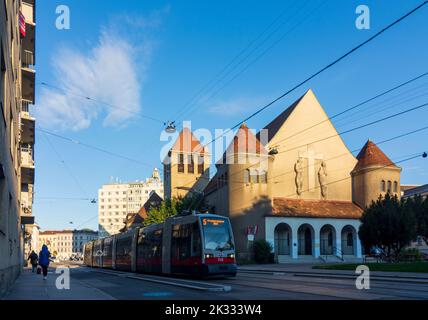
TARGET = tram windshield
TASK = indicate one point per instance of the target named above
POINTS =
(217, 234)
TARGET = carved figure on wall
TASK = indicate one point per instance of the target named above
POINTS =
(298, 168)
(322, 177)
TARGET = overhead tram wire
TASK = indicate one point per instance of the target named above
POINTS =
(136, 113)
(356, 128)
(378, 143)
(95, 148)
(216, 92)
(357, 105)
(318, 72)
(73, 176)
(236, 57)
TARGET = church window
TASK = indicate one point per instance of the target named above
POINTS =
(395, 186)
(383, 186)
(247, 176)
(389, 186)
(201, 164)
(254, 177)
(190, 164)
(180, 163)
(263, 176)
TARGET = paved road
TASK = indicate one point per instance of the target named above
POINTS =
(247, 285)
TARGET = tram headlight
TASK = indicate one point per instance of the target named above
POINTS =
(231, 255)
(209, 255)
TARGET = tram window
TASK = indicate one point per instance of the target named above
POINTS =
(217, 235)
(186, 241)
(150, 243)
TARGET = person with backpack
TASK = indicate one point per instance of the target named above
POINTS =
(44, 259)
(34, 260)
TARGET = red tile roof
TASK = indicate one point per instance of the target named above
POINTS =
(244, 142)
(371, 155)
(187, 142)
(316, 208)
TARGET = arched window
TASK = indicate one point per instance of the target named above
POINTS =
(349, 239)
(389, 188)
(395, 186)
(247, 176)
(262, 176)
(383, 186)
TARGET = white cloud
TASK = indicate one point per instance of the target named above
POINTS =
(111, 73)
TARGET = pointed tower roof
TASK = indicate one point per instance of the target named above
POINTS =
(371, 155)
(187, 142)
(274, 126)
(245, 141)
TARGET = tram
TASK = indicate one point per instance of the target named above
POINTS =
(194, 244)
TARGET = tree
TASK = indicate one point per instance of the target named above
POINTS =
(388, 224)
(168, 208)
(419, 206)
(262, 251)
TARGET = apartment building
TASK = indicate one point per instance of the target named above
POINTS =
(64, 244)
(17, 94)
(116, 200)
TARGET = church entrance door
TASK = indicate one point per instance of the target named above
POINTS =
(306, 238)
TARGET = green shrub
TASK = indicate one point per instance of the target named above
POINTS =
(262, 251)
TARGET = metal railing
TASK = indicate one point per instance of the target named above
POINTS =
(27, 156)
(27, 59)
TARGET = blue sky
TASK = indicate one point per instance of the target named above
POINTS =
(152, 57)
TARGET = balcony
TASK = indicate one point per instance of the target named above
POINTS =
(27, 165)
(27, 123)
(29, 11)
(28, 84)
(27, 198)
(27, 159)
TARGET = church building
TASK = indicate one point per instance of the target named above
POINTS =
(297, 185)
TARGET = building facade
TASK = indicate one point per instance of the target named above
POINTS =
(65, 244)
(17, 93)
(186, 166)
(117, 200)
(297, 185)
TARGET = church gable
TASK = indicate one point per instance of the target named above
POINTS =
(310, 155)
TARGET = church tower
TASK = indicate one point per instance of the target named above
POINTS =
(374, 175)
(186, 167)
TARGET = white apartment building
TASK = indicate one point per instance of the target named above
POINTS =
(116, 200)
(66, 243)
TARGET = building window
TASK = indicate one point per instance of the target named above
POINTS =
(181, 163)
(350, 239)
(190, 164)
(395, 186)
(254, 177)
(263, 176)
(247, 176)
(383, 186)
(389, 186)
(200, 164)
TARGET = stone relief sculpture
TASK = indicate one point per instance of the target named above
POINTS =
(298, 168)
(322, 177)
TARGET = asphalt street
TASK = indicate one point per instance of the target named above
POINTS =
(246, 285)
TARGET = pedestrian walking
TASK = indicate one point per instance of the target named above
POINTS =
(34, 260)
(44, 260)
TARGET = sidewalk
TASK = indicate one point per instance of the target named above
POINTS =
(307, 268)
(31, 286)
